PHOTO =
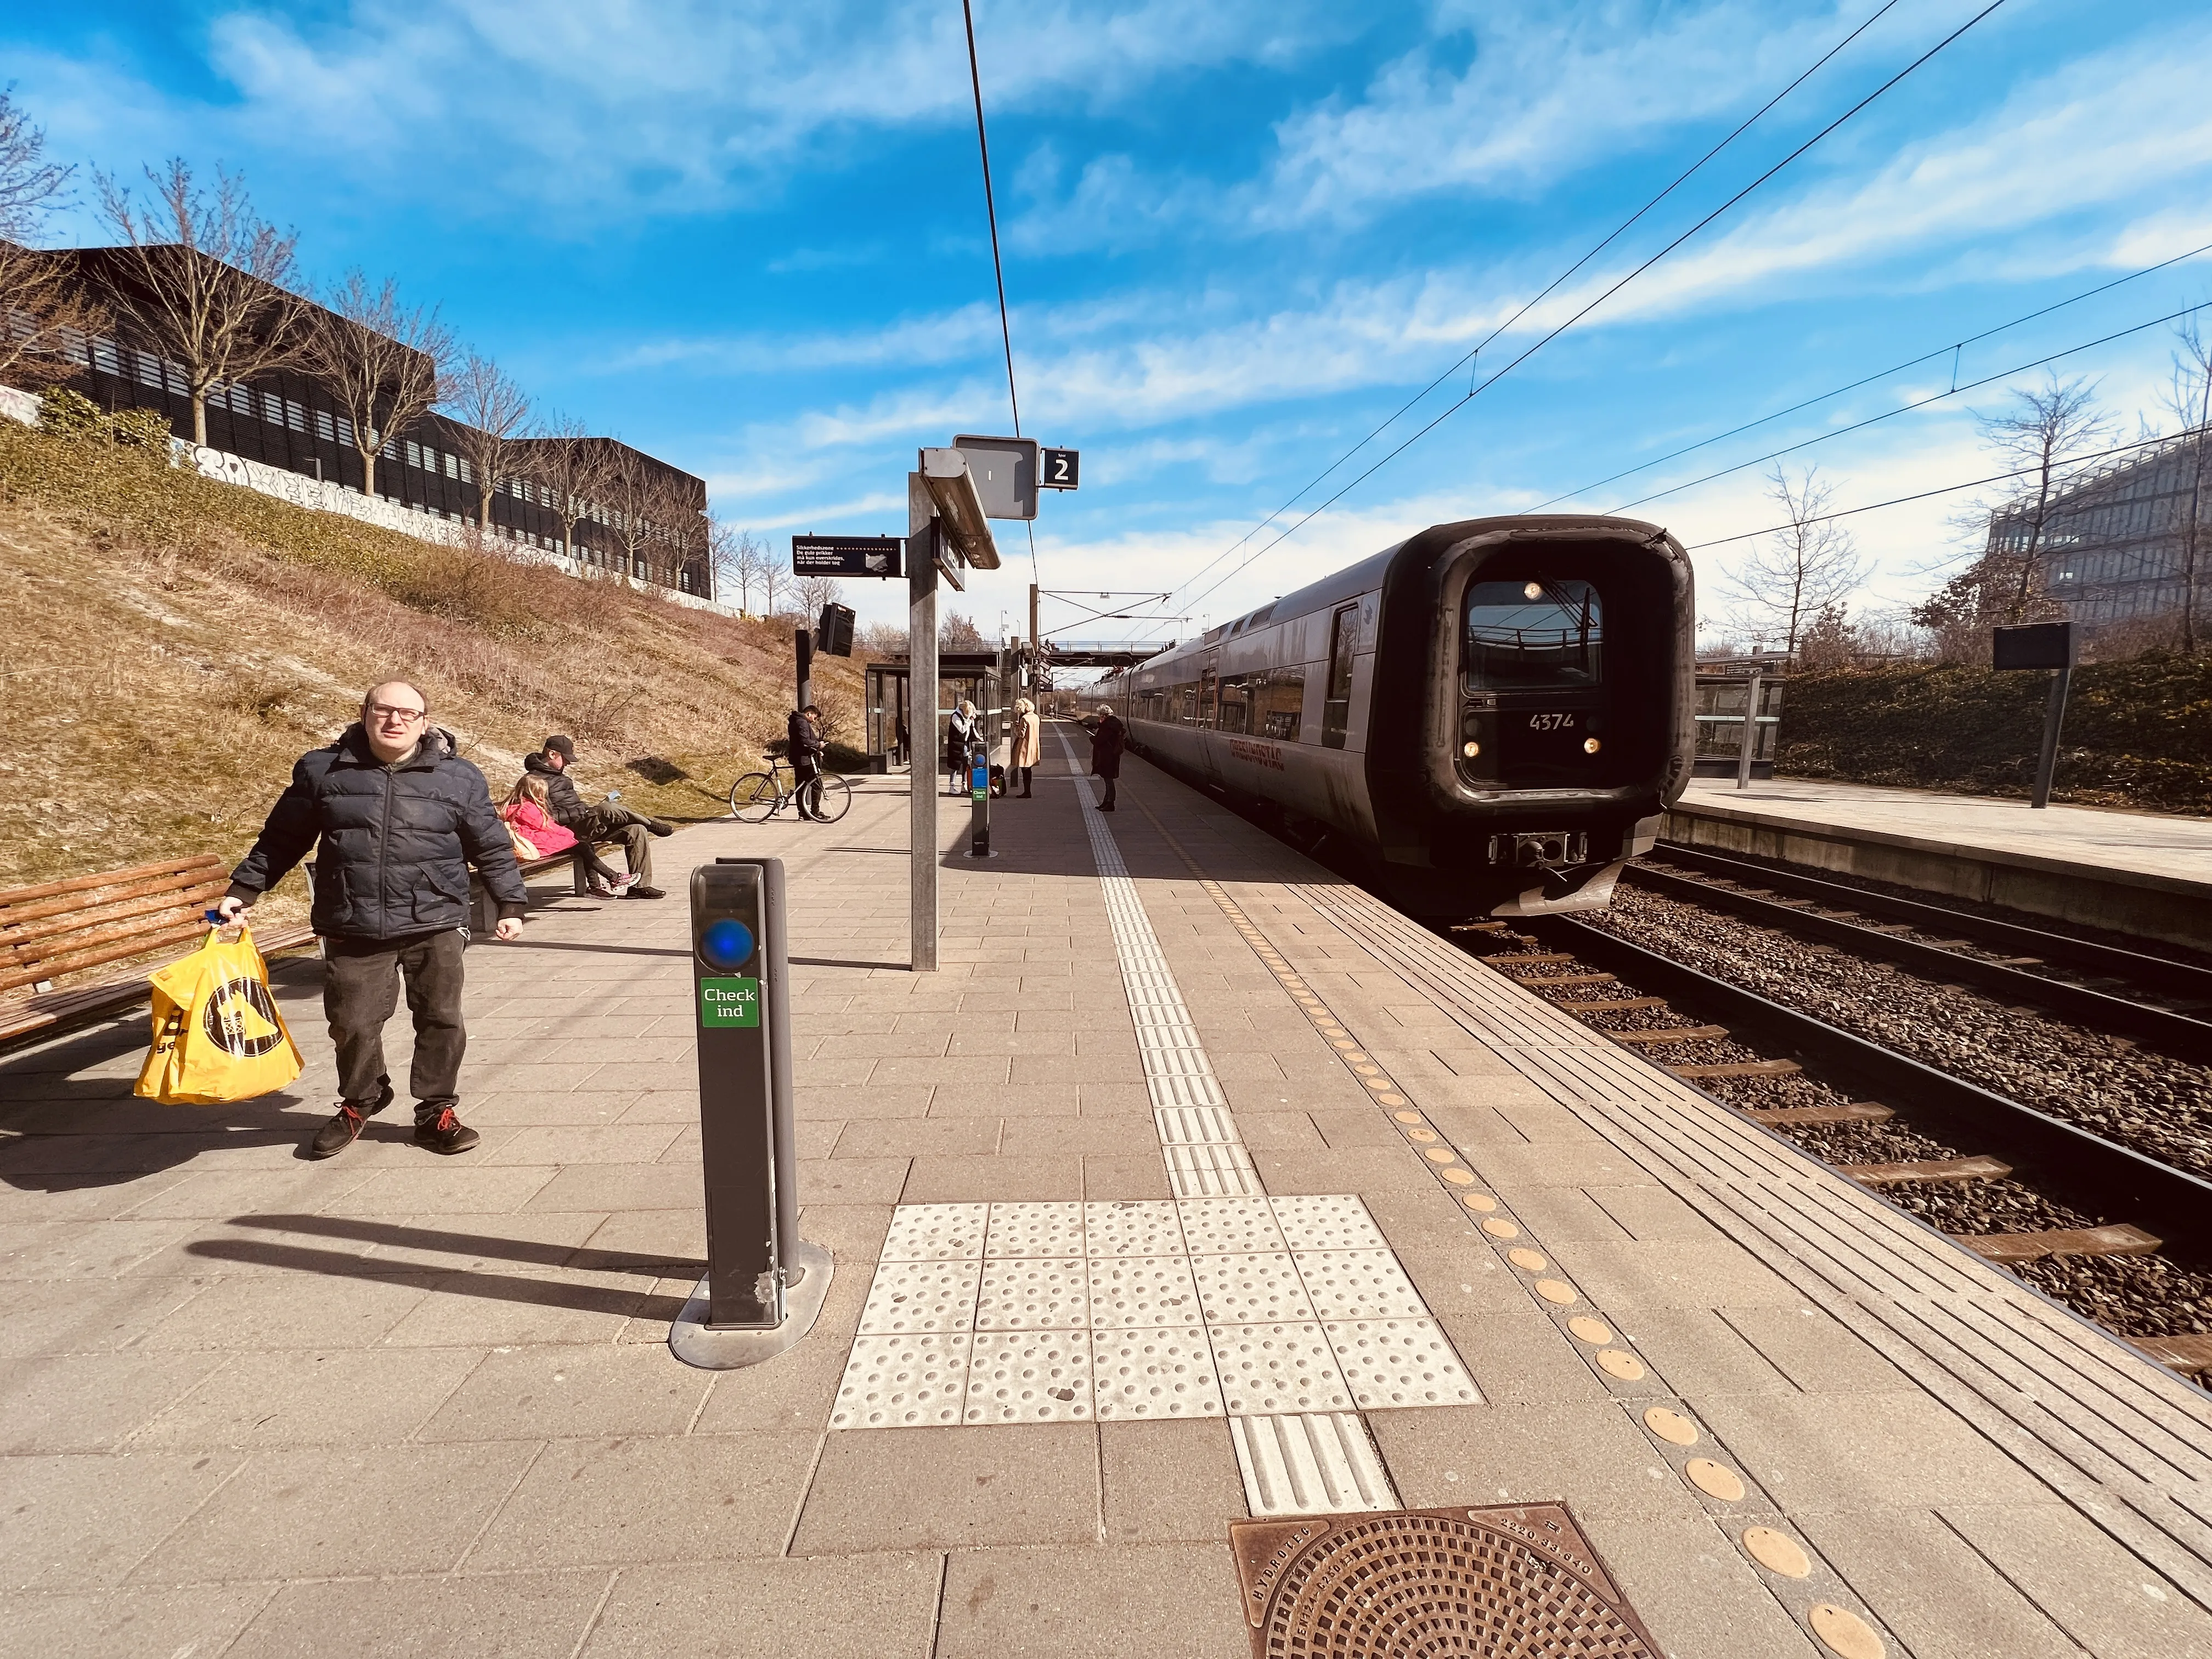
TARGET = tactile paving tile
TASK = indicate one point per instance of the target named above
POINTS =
(1039, 1230)
(1328, 1221)
(1310, 1463)
(1191, 1125)
(912, 1297)
(1251, 1289)
(1399, 1363)
(1230, 1226)
(1267, 1369)
(1024, 1293)
(1029, 1377)
(1358, 1285)
(1172, 1090)
(902, 1381)
(1146, 1226)
(1159, 1373)
(1210, 1172)
(935, 1232)
(1130, 1291)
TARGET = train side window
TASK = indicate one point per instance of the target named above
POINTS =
(1278, 702)
(1236, 700)
(1336, 708)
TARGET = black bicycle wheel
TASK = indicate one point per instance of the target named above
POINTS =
(836, 797)
(754, 797)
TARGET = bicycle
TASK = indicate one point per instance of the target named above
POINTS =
(759, 796)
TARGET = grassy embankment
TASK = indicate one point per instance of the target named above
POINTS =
(174, 644)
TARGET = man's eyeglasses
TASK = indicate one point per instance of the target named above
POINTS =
(385, 711)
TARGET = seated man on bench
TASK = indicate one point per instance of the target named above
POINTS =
(606, 820)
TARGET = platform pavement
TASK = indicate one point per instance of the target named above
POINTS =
(398, 1404)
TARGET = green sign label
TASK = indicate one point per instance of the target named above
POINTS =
(729, 1003)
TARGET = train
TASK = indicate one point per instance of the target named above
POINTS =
(1487, 718)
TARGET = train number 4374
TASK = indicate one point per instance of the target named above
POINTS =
(1550, 722)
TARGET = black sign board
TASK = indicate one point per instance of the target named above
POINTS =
(1059, 469)
(2038, 645)
(833, 633)
(847, 555)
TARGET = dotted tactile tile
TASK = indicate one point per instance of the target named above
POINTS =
(902, 1381)
(935, 1232)
(1037, 1229)
(1267, 1369)
(1191, 1125)
(1358, 1285)
(1130, 1291)
(1024, 1293)
(1251, 1289)
(1029, 1377)
(908, 1298)
(1132, 1227)
(1230, 1226)
(1400, 1364)
(1328, 1221)
(1165, 1372)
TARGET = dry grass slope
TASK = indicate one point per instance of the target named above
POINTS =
(174, 644)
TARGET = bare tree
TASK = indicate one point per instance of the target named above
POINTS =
(743, 560)
(2189, 398)
(573, 472)
(681, 531)
(30, 185)
(635, 501)
(212, 283)
(1808, 567)
(493, 412)
(884, 638)
(957, 632)
(39, 304)
(381, 360)
(2042, 434)
(811, 593)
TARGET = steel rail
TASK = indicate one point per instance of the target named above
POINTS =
(2175, 1033)
(2077, 1164)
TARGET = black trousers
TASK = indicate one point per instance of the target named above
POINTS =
(606, 823)
(361, 993)
(1024, 772)
(808, 772)
(1107, 805)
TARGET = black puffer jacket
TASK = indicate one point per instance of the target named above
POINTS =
(397, 841)
(561, 799)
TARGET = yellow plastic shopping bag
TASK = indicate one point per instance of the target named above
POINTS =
(217, 1035)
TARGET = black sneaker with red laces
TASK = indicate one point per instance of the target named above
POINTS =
(344, 1127)
(446, 1134)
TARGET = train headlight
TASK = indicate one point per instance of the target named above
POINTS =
(1470, 749)
(1533, 590)
(1589, 745)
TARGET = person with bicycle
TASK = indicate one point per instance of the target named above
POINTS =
(805, 748)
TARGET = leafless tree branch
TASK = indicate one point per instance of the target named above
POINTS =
(494, 410)
(380, 359)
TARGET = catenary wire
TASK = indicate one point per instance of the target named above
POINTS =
(1474, 392)
(1907, 409)
(1612, 237)
(1896, 369)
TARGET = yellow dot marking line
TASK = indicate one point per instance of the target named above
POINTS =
(1778, 1552)
(1590, 1330)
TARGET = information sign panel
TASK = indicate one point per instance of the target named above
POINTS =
(847, 555)
(1005, 471)
(1059, 469)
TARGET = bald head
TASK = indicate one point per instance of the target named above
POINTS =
(393, 714)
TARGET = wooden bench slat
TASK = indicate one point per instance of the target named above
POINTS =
(184, 881)
(50, 1009)
(16, 896)
(55, 934)
(77, 962)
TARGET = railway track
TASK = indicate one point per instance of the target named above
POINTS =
(2098, 1224)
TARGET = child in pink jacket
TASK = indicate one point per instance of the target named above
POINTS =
(527, 816)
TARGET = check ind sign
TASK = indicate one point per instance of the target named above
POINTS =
(730, 1003)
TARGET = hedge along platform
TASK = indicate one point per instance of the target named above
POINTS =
(2135, 873)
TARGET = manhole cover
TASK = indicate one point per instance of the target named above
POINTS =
(1501, 1583)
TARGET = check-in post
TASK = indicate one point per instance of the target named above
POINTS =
(979, 794)
(763, 1287)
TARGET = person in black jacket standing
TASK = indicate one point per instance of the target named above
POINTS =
(806, 747)
(401, 817)
(1108, 741)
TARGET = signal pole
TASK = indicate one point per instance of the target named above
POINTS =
(921, 704)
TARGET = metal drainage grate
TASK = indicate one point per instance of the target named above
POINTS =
(1517, 1581)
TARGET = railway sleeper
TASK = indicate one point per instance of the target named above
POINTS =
(1739, 1068)
(1672, 1034)
(1784, 1117)
(1926, 1170)
(2118, 1240)
(2187, 1354)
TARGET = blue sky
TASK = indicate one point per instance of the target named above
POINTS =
(751, 238)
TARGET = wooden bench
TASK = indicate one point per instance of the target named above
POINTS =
(60, 927)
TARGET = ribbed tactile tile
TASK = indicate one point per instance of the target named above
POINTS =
(1042, 1229)
(1188, 1126)
(1139, 1291)
(1310, 1464)
(1211, 1172)
(1251, 1289)
(1020, 1293)
(1358, 1285)
(912, 1297)
(935, 1232)
(1271, 1369)
(1520, 1581)
(1230, 1226)
(1399, 1363)
(1029, 1377)
(902, 1381)
(1164, 1372)
(1132, 1227)
(1328, 1221)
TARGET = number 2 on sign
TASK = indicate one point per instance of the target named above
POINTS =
(1550, 722)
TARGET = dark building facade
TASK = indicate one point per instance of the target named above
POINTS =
(284, 418)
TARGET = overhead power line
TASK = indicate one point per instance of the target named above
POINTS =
(1477, 390)
(2072, 462)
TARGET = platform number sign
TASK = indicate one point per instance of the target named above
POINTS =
(1059, 469)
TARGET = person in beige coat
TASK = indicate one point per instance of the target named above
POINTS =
(1022, 759)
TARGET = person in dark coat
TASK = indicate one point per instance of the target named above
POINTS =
(805, 747)
(605, 820)
(1107, 740)
(962, 732)
(400, 817)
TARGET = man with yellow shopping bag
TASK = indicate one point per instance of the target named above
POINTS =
(217, 1035)
(400, 817)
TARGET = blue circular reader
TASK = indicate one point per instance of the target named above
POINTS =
(727, 944)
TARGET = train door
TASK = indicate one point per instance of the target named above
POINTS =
(1209, 696)
(1336, 708)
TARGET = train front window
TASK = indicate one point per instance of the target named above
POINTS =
(1533, 636)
